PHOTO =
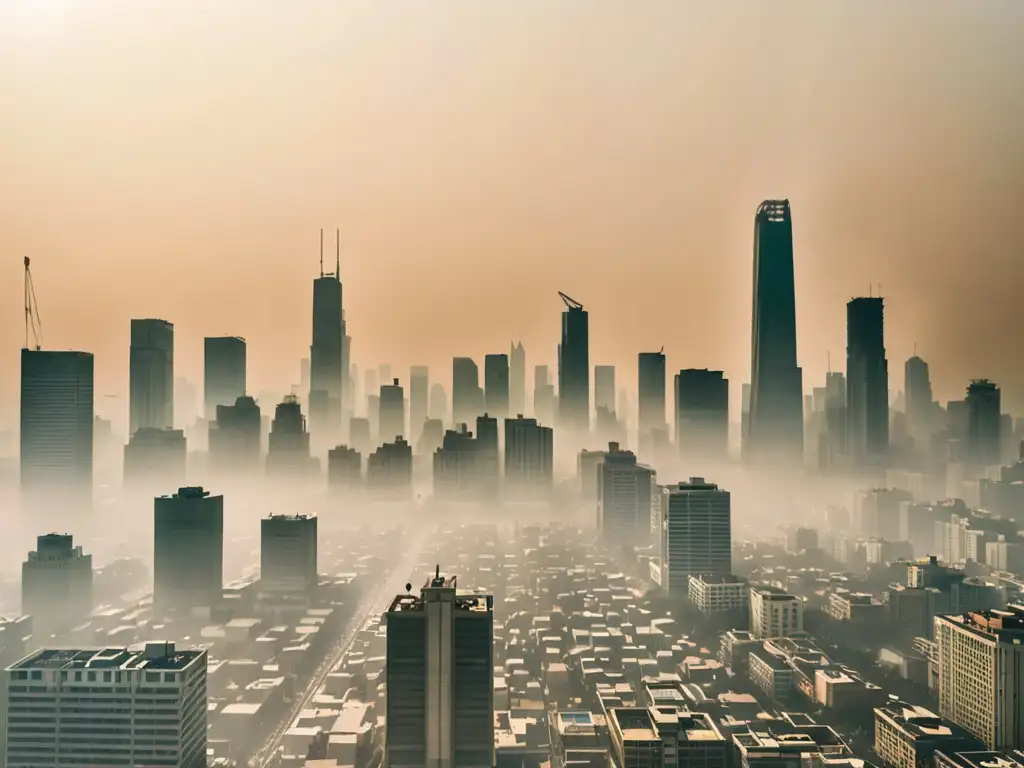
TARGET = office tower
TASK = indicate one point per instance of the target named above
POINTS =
(304, 366)
(56, 584)
(392, 411)
(467, 397)
(440, 662)
(920, 403)
(624, 497)
(344, 468)
(496, 385)
(651, 396)
(419, 399)
(155, 459)
(438, 403)
(56, 421)
(431, 437)
(223, 372)
(236, 439)
(832, 443)
(187, 407)
(389, 469)
(702, 415)
(574, 367)
(517, 378)
(456, 466)
(776, 428)
(326, 377)
(696, 533)
(288, 451)
(288, 546)
(489, 469)
(360, 435)
(109, 706)
(188, 551)
(981, 665)
(867, 381)
(545, 402)
(586, 472)
(151, 375)
(529, 455)
(984, 422)
(604, 387)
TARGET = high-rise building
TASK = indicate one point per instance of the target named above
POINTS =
(438, 403)
(489, 469)
(920, 401)
(344, 468)
(326, 377)
(574, 367)
(867, 381)
(496, 385)
(155, 458)
(235, 438)
(188, 551)
(57, 421)
(604, 387)
(984, 422)
(696, 533)
(456, 466)
(624, 491)
(419, 400)
(832, 443)
(440, 662)
(389, 469)
(467, 397)
(288, 549)
(110, 706)
(392, 411)
(529, 457)
(651, 396)
(545, 401)
(776, 425)
(288, 451)
(517, 378)
(223, 372)
(151, 375)
(702, 415)
(56, 584)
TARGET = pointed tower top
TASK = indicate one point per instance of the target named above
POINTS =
(321, 252)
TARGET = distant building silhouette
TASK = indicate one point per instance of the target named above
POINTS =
(56, 585)
(496, 385)
(57, 422)
(604, 387)
(867, 381)
(288, 557)
(438, 403)
(776, 426)
(545, 401)
(188, 551)
(360, 436)
(490, 470)
(392, 411)
(574, 368)
(431, 437)
(151, 375)
(651, 397)
(920, 402)
(288, 454)
(154, 459)
(236, 439)
(702, 415)
(984, 423)
(457, 466)
(696, 533)
(224, 363)
(344, 468)
(389, 469)
(832, 445)
(419, 400)
(326, 353)
(624, 491)
(517, 378)
(467, 397)
(529, 457)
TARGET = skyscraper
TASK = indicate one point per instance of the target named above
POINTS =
(544, 398)
(392, 411)
(529, 457)
(419, 400)
(776, 424)
(288, 449)
(624, 490)
(325, 353)
(984, 422)
(467, 397)
(56, 584)
(440, 662)
(651, 393)
(188, 551)
(151, 375)
(574, 367)
(223, 372)
(235, 438)
(56, 421)
(702, 415)
(496, 385)
(867, 381)
(918, 388)
(288, 555)
(604, 387)
(696, 533)
(517, 378)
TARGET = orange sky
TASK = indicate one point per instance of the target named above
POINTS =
(177, 159)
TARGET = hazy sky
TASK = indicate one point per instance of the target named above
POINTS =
(177, 160)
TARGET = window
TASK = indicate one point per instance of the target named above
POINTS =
(152, 677)
(169, 677)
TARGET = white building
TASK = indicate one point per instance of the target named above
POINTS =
(113, 706)
(696, 536)
(774, 613)
(714, 593)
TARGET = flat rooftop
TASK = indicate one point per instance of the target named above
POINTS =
(108, 658)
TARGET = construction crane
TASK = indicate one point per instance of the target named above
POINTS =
(33, 326)
(570, 302)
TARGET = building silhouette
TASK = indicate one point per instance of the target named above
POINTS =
(867, 381)
(236, 439)
(517, 378)
(288, 452)
(392, 411)
(151, 375)
(545, 400)
(624, 493)
(431, 437)
(984, 423)
(57, 422)
(651, 397)
(360, 435)
(574, 368)
(440, 662)
(188, 551)
(344, 468)
(604, 388)
(776, 426)
(832, 443)
(155, 458)
(326, 370)
(467, 397)
(920, 402)
(438, 403)
(529, 458)
(389, 469)
(496, 385)
(288, 557)
(457, 466)
(702, 415)
(696, 533)
(224, 362)
(56, 584)
(419, 400)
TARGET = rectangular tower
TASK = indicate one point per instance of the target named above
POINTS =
(574, 368)
(651, 392)
(496, 385)
(696, 532)
(702, 416)
(151, 375)
(188, 551)
(419, 400)
(604, 387)
(224, 362)
(867, 381)
(288, 555)
(517, 378)
(326, 355)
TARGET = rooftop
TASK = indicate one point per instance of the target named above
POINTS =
(155, 656)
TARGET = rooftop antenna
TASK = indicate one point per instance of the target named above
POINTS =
(321, 252)
(437, 571)
(915, 349)
(828, 358)
(33, 326)
(337, 256)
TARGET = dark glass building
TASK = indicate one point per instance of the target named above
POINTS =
(574, 367)
(867, 381)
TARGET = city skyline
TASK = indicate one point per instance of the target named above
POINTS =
(119, 226)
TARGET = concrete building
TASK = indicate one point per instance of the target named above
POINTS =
(328, 361)
(696, 536)
(224, 369)
(574, 368)
(56, 584)
(719, 593)
(604, 388)
(151, 375)
(288, 562)
(908, 736)
(457, 466)
(188, 551)
(867, 381)
(440, 662)
(103, 707)
(774, 613)
(529, 457)
(665, 737)
(624, 491)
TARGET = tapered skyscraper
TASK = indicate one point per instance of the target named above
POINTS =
(776, 381)
(574, 367)
(325, 354)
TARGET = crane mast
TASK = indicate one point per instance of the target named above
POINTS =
(570, 302)
(33, 326)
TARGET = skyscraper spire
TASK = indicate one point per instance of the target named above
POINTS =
(337, 256)
(321, 252)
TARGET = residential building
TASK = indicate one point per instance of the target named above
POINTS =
(696, 532)
(719, 593)
(774, 613)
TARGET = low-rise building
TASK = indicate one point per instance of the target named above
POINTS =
(717, 593)
(907, 736)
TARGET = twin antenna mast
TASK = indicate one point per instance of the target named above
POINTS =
(337, 257)
(33, 326)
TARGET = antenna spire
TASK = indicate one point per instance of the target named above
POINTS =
(321, 252)
(337, 256)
